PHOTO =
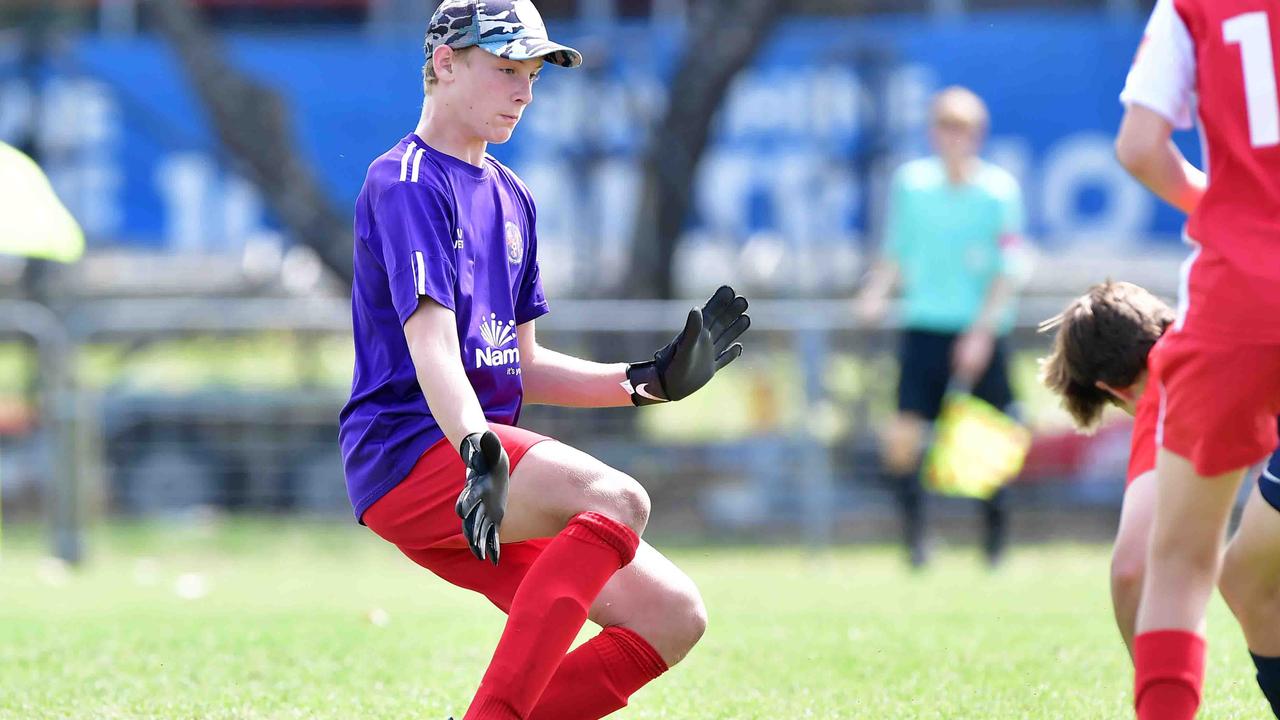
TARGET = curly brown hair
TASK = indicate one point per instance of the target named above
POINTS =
(1103, 335)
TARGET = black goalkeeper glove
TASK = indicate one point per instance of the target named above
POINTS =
(707, 343)
(484, 496)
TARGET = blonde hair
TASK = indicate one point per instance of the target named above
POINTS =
(960, 106)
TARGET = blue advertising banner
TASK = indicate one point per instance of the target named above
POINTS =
(806, 137)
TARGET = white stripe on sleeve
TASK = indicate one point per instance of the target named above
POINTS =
(421, 273)
(404, 161)
(417, 162)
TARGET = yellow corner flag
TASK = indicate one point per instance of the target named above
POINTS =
(33, 222)
(976, 448)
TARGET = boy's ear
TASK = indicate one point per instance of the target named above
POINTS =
(1124, 394)
(443, 59)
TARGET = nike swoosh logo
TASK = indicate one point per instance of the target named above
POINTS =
(640, 390)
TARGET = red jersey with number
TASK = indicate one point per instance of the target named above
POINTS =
(1219, 60)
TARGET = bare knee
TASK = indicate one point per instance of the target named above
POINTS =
(692, 620)
(1127, 568)
(1175, 555)
(677, 624)
(620, 497)
(1233, 587)
(1126, 575)
(632, 504)
(1252, 599)
(555, 482)
(900, 444)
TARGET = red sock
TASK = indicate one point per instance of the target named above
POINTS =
(547, 612)
(1169, 672)
(598, 677)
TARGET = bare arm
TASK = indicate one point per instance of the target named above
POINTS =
(432, 334)
(553, 378)
(707, 343)
(873, 301)
(1144, 148)
(973, 351)
(999, 295)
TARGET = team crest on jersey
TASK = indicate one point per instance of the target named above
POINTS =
(515, 244)
(497, 335)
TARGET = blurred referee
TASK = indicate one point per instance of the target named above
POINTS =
(953, 221)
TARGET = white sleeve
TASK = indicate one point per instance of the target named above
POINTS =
(1163, 76)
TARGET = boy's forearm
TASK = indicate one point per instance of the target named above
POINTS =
(433, 346)
(554, 378)
(1168, 174)
(452, 401)
(1144, 148)
(882, 278)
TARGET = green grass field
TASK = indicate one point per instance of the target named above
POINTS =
(278, 622)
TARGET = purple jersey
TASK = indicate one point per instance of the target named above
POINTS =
(429, 224)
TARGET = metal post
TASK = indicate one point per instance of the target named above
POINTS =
(60, 403)
(813, 443)
(57, 418)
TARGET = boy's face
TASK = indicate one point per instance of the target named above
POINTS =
(956, 139)
(490, 93)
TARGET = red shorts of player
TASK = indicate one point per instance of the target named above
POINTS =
(1218, 400)
(1142, 444)
(417, 516)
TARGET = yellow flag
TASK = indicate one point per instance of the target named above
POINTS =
(33, 222)
(976, 448)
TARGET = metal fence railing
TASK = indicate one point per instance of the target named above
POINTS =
(787, 432)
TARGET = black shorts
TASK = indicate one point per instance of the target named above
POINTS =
(924, 361)
(1269, 480)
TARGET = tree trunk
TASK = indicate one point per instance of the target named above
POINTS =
(723, 36)
(252, 121)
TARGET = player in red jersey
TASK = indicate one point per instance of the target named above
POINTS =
(1100, 357)
(1217, 369)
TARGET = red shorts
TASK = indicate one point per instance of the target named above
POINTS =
(1218, 400)
(417, 516)
(1142, 445)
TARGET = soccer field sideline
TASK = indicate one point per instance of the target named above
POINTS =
(251, 620)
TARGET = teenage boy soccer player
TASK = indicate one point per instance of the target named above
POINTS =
(444, 300)
(1100, 357)
(1217, 368)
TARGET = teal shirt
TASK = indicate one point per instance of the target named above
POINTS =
(950, 242)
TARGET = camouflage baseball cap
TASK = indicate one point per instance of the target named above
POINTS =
(510, 29)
